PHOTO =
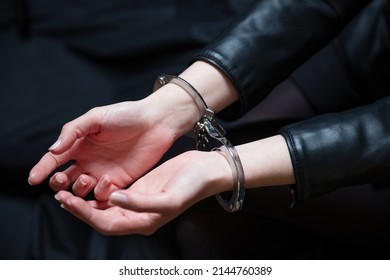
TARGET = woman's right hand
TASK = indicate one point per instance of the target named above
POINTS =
(112, 146)
(109, 147)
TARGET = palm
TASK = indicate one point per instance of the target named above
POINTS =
(119, 141)
(119, 155)
(109, 219)
(113, 220)
(118, 221)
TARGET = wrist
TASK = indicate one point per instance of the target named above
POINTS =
(172, 106)
(266, 162)
(215, 88)
(215, 171)
(184, 100)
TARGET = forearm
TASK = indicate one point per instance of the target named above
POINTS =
(215, 88)
(265, 162)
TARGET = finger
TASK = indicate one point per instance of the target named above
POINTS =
(63, 180)
(108, 223)
(75, 129)
(142, 202)
(59, 181)
(63, 196)
(92, 216)
(46, 165)
(84, 184)
(104, 188)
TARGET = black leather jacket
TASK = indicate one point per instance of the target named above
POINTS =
(273, 39)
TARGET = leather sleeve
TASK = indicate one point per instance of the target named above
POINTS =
(340, 149)
(354, 69)
(272, 39)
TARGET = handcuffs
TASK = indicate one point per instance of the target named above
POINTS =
(206, 132)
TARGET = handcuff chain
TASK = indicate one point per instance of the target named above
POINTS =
(207, 127)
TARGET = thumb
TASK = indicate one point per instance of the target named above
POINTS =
(80, 127)
(142, 202)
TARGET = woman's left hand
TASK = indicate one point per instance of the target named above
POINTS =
(156, 198)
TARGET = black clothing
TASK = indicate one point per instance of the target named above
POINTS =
(257, 53)
(354, 143)
(345, 76)
(265, 45)
(59, 59)
(341, 149)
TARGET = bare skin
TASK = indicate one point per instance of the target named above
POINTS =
(115, 146)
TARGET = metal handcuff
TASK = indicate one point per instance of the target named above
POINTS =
(206, 131)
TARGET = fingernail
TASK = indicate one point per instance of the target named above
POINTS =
(106, 181)
(83, 183)
(118, 197)
(58, 179)
(28, 181)
(55, 145)
(56, 197)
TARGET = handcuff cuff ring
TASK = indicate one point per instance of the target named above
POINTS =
(207, 127)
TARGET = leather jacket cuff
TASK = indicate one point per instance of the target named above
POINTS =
(340, 149)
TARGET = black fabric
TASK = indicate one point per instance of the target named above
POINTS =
(331, 151)
(351, 46)
(350, 223)
(58, 59)
(353, 69)
(325, 158)
(271, 40)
